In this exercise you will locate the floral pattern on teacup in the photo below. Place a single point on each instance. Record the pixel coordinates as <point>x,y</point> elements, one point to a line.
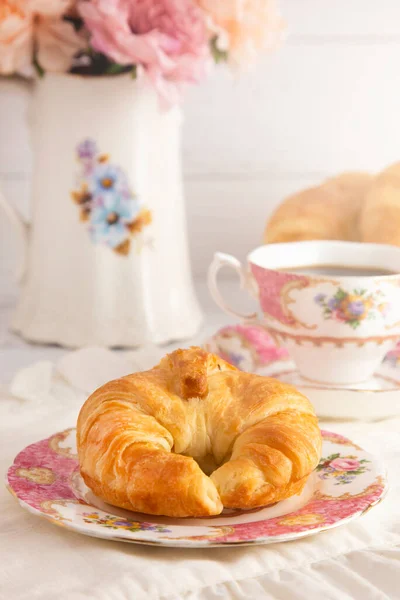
<point>112,212</point>
<point>352,308</point>
<point>344,469</point>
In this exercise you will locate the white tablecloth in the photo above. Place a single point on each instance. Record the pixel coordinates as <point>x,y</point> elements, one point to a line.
<point>41,561</point>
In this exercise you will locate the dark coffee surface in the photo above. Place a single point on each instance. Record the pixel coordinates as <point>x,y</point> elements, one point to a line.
<point>340,271</point>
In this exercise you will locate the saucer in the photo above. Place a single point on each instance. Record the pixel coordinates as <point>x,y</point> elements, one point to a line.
<point>251,348</point>
<point>348,481</point>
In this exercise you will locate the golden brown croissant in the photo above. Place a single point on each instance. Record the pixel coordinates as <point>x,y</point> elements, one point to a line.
<point>330,211</point>
<point>149,441</point>
<point>380,219</point>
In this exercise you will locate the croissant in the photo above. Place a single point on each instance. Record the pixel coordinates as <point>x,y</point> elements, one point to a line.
<point>195,434</point>
<point>380,219</point>
<point>330,211</point>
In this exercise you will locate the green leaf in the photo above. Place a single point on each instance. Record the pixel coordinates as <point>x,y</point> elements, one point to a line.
<point>39,69</point>
<point>218,54</point>
<point>360,292</point>
<point>341,294</point>
<point>114,69</point>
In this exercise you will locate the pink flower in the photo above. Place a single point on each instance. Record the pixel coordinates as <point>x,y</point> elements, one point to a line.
<point>39,24</point>
<point>244,27</point>
<point>167,38</point>
<point>339,315</point>
<point>344,464</point>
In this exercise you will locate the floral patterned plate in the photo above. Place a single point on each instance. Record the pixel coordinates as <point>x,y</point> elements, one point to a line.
<point>348,481</point>
<point>251,348</point>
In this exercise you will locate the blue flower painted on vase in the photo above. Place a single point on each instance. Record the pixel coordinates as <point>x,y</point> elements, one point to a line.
<point>109,219</point>
<point>108,179</point>
<point>112,212</point>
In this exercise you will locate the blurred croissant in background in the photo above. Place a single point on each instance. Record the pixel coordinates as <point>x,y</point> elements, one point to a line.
<point>353,206</point>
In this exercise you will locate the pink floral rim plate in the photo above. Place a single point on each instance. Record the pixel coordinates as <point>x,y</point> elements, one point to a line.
<point>251,348</point>
<point>45,480</point>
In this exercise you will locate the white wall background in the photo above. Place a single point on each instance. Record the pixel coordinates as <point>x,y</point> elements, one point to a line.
<point>328,100</point>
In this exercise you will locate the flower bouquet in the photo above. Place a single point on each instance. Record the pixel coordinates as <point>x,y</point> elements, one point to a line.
<point>168,43</point>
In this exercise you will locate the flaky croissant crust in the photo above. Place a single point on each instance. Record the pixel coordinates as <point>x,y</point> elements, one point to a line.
<point>195,434</point>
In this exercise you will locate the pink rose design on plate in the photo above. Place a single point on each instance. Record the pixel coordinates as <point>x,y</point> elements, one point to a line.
<point>344,464</point>
<point>343,469</point>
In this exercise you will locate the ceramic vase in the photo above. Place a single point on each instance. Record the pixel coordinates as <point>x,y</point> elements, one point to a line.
<point>106,256</point>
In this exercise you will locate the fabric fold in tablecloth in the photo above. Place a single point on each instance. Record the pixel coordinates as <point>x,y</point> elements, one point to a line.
<point>39,560</point>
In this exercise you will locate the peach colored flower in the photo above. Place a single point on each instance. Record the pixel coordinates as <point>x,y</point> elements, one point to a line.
<point>16,43</point>
<point>57,43</point>
<point>244,27</point>
<point>167,39</point>
<point>29,24</point>
<point>50,8</point>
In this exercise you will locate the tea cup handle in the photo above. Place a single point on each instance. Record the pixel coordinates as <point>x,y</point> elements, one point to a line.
<point>219,261</point>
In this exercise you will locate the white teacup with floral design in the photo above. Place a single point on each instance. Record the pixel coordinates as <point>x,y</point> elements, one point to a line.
<point>337,328</point>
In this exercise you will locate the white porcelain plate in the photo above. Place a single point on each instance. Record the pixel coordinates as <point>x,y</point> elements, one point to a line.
<point>45,480</point>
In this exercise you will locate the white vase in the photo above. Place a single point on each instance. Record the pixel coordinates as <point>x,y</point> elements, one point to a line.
<point>106,253</point>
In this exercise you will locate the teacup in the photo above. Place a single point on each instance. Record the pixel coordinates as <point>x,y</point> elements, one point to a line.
<point>334,305</point>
